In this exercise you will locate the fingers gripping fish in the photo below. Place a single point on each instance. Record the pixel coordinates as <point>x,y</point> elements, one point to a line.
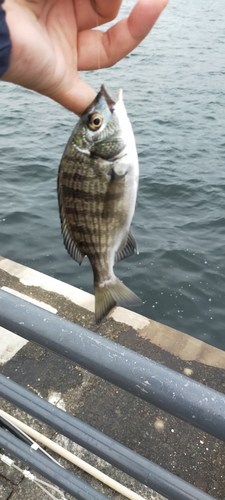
<point>97,191</point>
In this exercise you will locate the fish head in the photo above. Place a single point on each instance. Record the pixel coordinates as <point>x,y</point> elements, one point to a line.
<point>104,129</point>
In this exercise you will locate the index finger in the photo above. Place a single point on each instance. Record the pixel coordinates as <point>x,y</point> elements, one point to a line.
<point>103,49</point>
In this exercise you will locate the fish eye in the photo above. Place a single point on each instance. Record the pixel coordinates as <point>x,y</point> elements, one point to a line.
<point>95,121</point>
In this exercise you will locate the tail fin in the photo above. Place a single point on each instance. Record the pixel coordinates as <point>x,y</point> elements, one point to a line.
<point>111,295</point>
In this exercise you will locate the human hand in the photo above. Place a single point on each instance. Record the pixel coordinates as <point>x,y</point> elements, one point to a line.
<point>53,39</point>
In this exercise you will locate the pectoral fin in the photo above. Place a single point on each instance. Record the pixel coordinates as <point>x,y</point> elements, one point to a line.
<point>128,248</point>
<point>119,171</point>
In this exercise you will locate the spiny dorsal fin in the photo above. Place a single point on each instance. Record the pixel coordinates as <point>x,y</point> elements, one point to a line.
<point>127,249</point>
<point>111,295</point>
<point>70,244</point>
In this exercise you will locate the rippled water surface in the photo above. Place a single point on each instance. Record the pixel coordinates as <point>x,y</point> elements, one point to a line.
<point>174,91</point>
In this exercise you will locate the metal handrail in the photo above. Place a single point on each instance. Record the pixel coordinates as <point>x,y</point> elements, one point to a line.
<point>108,449</point>
<point>183,397</point>
<point>49,469</point>
<point>170,391</point>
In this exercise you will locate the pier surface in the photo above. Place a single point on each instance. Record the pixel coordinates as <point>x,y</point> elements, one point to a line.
<point>162,438</point>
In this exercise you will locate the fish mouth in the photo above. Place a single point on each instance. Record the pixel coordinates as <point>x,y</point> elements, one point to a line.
<point>119,95</point>
<point>109,100</point>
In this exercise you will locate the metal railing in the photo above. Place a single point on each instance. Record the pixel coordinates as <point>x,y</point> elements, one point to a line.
<point>174,393</point>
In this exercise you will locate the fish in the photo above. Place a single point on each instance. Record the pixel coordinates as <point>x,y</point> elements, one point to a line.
<point>97,191</point>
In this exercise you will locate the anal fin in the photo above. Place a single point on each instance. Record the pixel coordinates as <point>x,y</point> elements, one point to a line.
<point>126,249</point>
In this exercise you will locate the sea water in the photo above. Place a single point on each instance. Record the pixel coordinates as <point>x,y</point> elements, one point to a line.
<point>174,92</point>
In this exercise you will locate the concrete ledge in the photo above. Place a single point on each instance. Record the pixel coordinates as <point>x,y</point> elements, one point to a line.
<point>169,339</point>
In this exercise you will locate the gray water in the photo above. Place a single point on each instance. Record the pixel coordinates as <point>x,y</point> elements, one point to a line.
<point>174,91</point>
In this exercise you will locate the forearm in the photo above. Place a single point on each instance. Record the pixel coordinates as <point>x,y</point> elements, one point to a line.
<point>5,42</point>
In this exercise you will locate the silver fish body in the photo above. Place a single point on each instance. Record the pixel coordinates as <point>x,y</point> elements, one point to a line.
<point>97,191</point>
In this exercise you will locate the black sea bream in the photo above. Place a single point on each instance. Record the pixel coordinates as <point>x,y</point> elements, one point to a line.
<point>97,191</point>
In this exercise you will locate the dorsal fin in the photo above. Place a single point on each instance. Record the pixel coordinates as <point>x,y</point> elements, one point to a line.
<point>70,244</point>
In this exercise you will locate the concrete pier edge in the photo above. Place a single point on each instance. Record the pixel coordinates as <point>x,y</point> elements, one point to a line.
<point>176,342</point>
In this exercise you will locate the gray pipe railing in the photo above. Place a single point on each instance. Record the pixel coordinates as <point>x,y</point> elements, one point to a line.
<point>49,469</point>
<point>150,381</point>
<point>173,392</point>
<point>130,462</point>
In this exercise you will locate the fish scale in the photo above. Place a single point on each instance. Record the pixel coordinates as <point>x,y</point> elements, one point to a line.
<point>97,189</point>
